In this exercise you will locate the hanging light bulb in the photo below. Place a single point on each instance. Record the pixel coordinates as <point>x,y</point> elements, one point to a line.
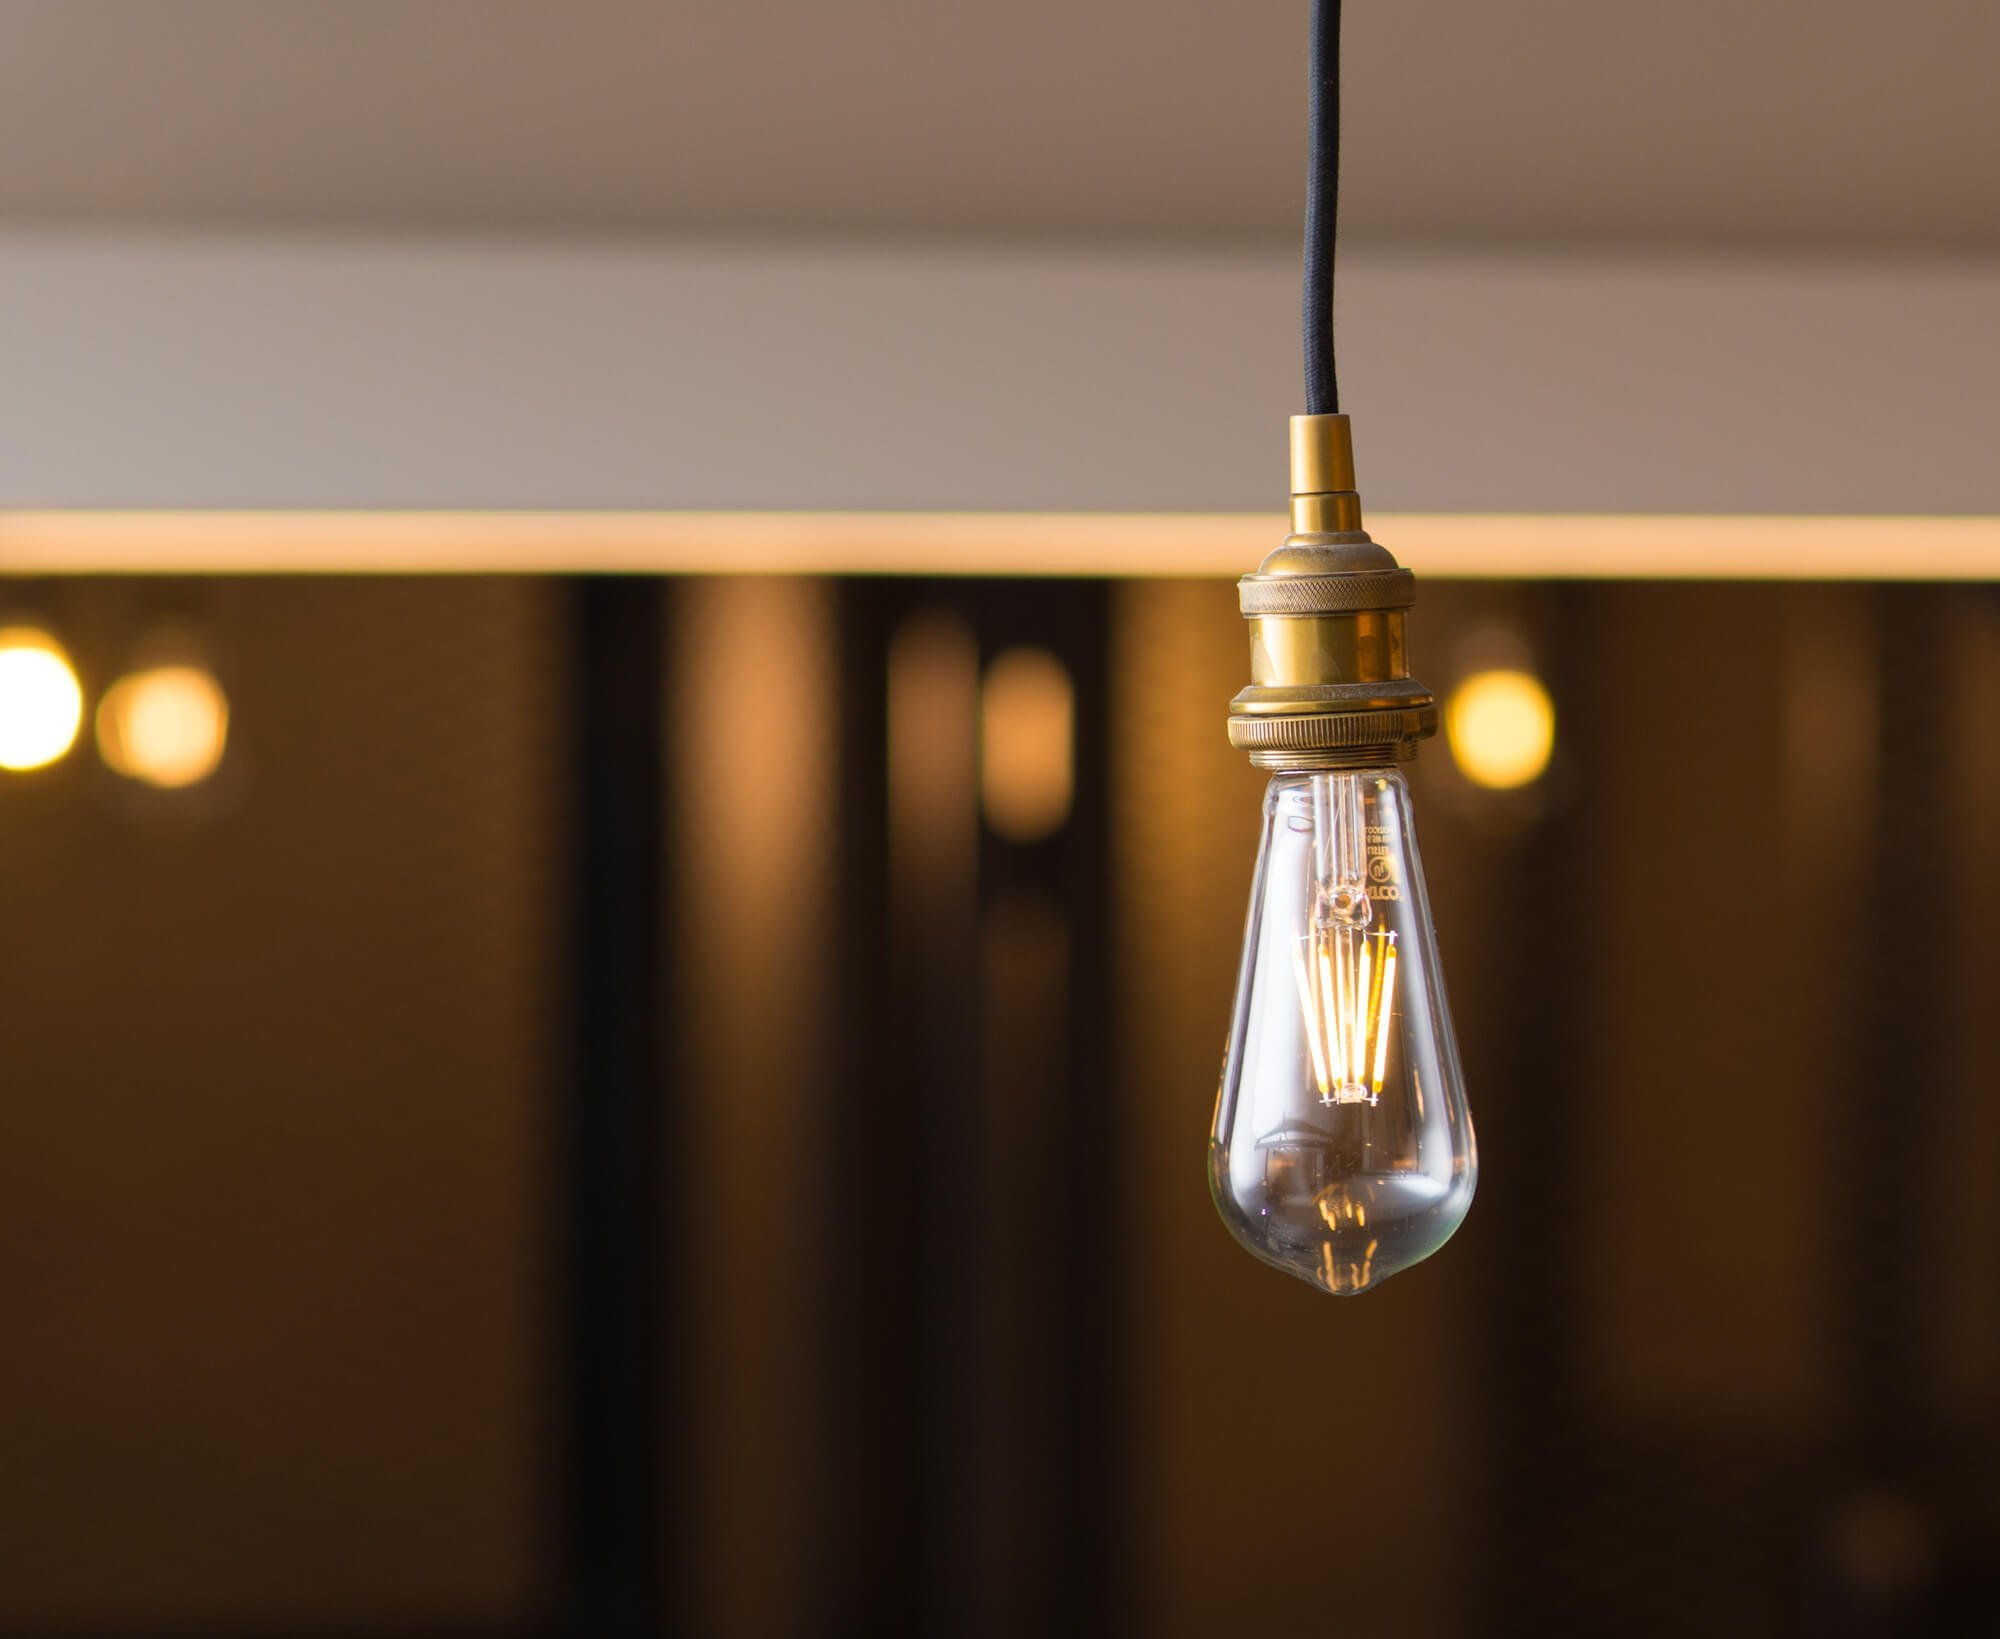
<point>1342,1150</point>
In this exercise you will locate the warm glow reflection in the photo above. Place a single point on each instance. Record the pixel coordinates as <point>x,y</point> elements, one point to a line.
<point>1027,730</point>
<point>933,704</point>
<point>166,726</point>
<point>41,702</point>
<point>1502,727</point>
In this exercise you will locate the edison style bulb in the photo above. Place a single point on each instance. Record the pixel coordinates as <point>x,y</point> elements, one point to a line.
<point>1343,1149</point>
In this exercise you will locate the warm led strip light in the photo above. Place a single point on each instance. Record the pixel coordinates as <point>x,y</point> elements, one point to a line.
<point>1462,545</point>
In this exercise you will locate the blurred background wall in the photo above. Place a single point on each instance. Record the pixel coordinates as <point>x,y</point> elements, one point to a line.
<point>675,1102</point>
<point>947,1335</point>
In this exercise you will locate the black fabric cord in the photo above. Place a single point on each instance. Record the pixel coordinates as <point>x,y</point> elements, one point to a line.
<point>1322,205</point>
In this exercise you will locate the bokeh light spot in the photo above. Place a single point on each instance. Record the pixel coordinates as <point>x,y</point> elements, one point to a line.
<point>166,727</point>
<point>1502,728</point>
<point>1027,734</point>
<point>41,702</point>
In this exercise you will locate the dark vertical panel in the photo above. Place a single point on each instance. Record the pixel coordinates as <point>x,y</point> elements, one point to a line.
<point>1896,987</point>
<point>870,1572</point>
<point>614,1155</point>
<point>1532,1155</point>
<point>1055,1230</point>
<point>1968,1336</point>
<point>935,1016</point>
<point>1878,1560</point>
<point>1099,1205</point>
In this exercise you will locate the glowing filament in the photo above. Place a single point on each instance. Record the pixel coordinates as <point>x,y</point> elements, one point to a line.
<point>1360,1042</point>
<point>1347,995</point>
<point>1315,1018</point>
<point>1385,991</point>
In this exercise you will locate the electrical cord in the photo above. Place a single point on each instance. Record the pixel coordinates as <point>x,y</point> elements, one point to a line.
<point>1322,205</point>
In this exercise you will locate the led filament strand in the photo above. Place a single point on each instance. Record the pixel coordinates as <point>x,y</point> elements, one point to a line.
<point>1347,994</point>
<point>1346,973</point>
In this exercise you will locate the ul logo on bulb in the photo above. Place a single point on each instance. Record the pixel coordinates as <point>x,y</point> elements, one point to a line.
<point>1382,877</point>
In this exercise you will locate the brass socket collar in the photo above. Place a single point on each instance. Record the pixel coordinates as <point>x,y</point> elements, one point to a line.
<point>1330,681</point>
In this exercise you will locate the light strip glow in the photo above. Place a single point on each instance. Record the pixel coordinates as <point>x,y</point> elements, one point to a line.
<point>1610,546</point>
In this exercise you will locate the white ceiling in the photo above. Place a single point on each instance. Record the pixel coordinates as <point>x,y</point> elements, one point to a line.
<point>1799,123</point>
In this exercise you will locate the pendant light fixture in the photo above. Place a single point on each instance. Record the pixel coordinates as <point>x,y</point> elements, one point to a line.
<point>1342,1150</point>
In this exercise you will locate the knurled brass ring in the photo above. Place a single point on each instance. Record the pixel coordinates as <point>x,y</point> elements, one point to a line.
<point>1332,731</point>
<point>1342,594</point>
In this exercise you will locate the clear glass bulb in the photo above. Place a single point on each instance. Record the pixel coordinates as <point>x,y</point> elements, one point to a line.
<point>1343,1149</point>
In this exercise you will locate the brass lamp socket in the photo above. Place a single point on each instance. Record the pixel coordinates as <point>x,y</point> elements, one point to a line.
<point>1330,683</point>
